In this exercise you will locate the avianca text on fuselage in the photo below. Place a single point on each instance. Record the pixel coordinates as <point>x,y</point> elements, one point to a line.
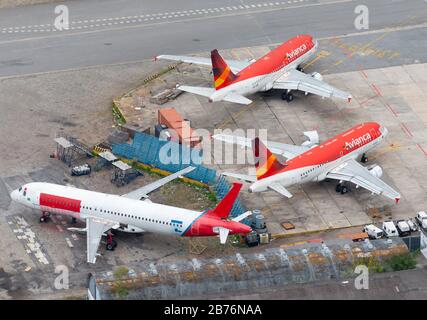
<point>313,164</point>
<point>356,142</point>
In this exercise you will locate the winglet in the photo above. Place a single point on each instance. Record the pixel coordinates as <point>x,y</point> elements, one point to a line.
<point>397,200</point>
<point>349,99</point>
<point>223,209</point>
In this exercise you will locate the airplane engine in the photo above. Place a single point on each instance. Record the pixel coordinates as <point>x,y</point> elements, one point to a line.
<point>317,76</point>
<point>376,171</point>
<point>130,229</point>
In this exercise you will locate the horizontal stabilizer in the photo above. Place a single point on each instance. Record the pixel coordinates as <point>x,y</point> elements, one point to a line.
<point>223,234</point>
<point>242,216</point>
<point>237,98</point>
<point>244,177</point>
<point>280,189</point>
<point>202,91</point>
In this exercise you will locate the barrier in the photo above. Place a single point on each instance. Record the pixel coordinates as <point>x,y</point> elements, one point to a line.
<point>146,149</point>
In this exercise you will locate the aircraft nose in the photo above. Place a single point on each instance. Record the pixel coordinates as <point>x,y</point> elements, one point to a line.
<point>14,195</point>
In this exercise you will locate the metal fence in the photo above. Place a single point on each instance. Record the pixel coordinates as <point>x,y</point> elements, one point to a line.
<point>146,149</point>
<point>412,242</point>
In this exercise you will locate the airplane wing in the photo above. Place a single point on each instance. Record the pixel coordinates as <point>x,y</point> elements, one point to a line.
<point>296,80</point>
<point>143,192</point>
<point>95,228</point>
<point>280,189</point>
<point>354,172</point>
<point>235,65</point>
<point>243,177</point>
<point>289,151</point>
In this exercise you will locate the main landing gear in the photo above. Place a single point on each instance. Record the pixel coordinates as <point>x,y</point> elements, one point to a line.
<point>111,243</point>
<point>44,217</point>
<point>288,96</point>
<point>364,158</point>
<point>340,188</point>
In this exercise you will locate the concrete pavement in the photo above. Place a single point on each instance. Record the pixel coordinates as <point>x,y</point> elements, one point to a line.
<point>130,30</point>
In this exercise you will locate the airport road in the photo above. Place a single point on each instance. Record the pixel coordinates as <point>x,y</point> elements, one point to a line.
<point>111,32</point>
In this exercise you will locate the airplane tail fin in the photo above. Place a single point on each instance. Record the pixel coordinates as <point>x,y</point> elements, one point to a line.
<point>223,209</point>
<point>266,163</point>
<point>223,75</point>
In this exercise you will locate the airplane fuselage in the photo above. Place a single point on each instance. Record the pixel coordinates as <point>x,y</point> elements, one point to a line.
<point>261,75</point>
<point>132,215</point>
<point>314,164</point>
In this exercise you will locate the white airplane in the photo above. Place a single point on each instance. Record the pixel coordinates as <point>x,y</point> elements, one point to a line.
<point>333,159</point>
<point>278,69</point>
<point>105,212</point>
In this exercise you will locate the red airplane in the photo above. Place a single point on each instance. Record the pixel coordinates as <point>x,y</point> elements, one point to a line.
<point>278,69</point>
<point>334,159</point>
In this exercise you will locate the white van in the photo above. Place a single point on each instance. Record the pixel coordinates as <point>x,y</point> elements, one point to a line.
<point>422,219</point>
<point>403,228</point>
<point>373,231</point>
<point>390,229</point>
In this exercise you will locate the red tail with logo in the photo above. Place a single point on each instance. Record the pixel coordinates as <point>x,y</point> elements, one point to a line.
<point>266,163</point>
<point>223,75</point>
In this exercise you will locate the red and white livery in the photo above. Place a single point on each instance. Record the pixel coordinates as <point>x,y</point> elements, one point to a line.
<point>333,159</point>
<point>278,69</point>
<point>105,212</point>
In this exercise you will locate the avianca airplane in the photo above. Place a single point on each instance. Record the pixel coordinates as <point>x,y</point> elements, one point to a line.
<point>278,69</point>
<point>104,212</point>
<point>334,159</point>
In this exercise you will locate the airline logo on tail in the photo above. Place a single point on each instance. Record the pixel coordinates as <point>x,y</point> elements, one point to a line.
<point>223,76</point>
<point>266,163</point>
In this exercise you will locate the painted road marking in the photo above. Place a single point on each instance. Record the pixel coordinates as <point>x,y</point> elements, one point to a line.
<point>47,27</point>
<point>31,244</point>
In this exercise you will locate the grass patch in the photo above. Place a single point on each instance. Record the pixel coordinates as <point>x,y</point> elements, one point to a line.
<point>404,261</point>
<point>117,114</point>
<point>120,273</point>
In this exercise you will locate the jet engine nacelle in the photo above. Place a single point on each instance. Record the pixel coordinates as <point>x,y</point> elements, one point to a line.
<point>130,229</point>
<point>317,76</point>
<point>376,171</point>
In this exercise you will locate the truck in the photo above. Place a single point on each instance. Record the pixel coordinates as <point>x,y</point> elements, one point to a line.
<point>412,225</point>
<point>403,228</point>
<point>390,229</point>
<point>422,219</point>
<point>81,170</point>
<point>373,231</point>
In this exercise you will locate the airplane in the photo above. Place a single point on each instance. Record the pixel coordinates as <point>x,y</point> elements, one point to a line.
<point>278,69</point>
<point>334,159</point>
<point>105,212</point>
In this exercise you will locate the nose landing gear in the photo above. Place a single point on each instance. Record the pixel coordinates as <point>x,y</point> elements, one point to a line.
<point>44,217</point>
